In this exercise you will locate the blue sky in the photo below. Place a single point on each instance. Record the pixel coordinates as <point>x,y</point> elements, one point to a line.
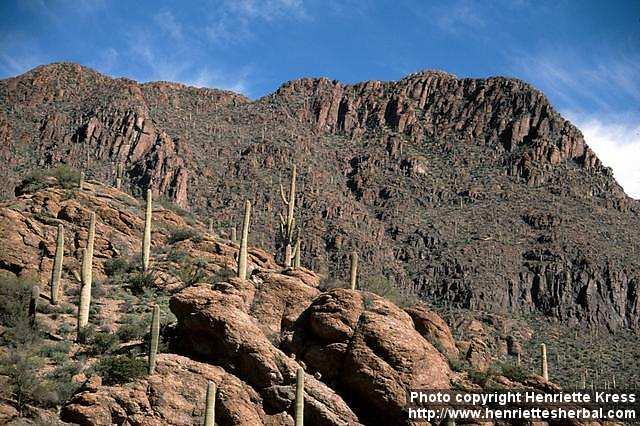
<point>585,55</point>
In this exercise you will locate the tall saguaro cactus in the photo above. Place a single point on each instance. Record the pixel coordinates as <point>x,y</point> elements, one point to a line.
<point>544,366</point>
<point>353,270</point>
<point>85,292</point>
<point>86,277</point>
<point>300,397</point>
<point>242,256</point>
<point>210,410</point>
<point>155,338</point>
<point>56,273</point>
<point>287,225</point>
<point>146,239</point>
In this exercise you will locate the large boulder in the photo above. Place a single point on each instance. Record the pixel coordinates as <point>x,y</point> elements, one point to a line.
<point>369,349</point>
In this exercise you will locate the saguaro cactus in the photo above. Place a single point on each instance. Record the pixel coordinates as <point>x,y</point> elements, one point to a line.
<point>85,291</point>
<point>300,397</point>
<point>296,261</point>
<point>56,273</point>
<point>33,304</point>
<point>146,239</point>
<point>353,270</point>
<point>287,225</point>
<point>242,256</point>
<point>118,176</point>
<point>210,410</point>
<point>234,235</point>
<point>81,183</point>
<point>543,366</point>
<point>155,338</point>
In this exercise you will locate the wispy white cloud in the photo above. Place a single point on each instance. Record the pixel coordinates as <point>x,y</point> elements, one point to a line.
<point>168,23</point>
<point>236,18</point>
<point>458,16</point>
<point>604,80</point>
<point>616,141</point>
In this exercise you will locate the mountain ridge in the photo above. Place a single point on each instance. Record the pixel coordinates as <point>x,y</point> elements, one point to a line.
<point>469,192</point>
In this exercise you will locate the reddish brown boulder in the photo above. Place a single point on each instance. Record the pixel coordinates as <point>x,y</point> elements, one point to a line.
<point>433,328</point>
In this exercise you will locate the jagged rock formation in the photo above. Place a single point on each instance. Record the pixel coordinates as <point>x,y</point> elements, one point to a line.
<point>474,193</point>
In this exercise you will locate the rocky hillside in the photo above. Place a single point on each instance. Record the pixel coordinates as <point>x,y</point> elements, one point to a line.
<point>360,352</point>
<point>471,193</point>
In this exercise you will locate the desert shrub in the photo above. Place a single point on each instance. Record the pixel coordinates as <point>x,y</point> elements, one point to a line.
<point>177,256</point>
<point>116,266</point>
<point>191,271</point>
<point>62,380</point>
<point>103,343</point>
<point>139,281</point>
<point>57,352</point>
<point>14,311</point>
<point>385,287</point>
<point>67,178</point>
<point>21,369</point>
<point>512,371</point>
<point>135,327</point>
<point>181,234</point>
<point>170,205</point>
<point>86,334</point>
<point>224,274</point>
<point>120,369</point>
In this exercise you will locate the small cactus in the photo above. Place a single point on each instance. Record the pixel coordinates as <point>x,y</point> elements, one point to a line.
<point>56,273</point>
<point>300,397</point>
<point>353,270</point>
<point>543,364</point>
<point>33,304</point>
<point>242,256</point>
<point>81,183</point>
<point>234,235</point>
<point>146,239</point>
<point>155,338</point>
<point>287,225</point>
<point>210,226</point>
<point>210,410</point>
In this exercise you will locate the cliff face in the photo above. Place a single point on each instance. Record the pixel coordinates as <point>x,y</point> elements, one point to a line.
<point>473,193</point>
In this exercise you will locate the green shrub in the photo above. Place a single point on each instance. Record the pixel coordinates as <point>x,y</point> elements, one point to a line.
<point>181,234</point>
<point>140,281</point>
<point>67,178</point>
<point>384,287</point>
<point>15,294</point>
<point>21,369</point>
<point>512,371</point>
<point>120,369</point>
<point>116,266</point>
<point>191,271</point>
<point>224,275</point>
<point>103,343</point>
